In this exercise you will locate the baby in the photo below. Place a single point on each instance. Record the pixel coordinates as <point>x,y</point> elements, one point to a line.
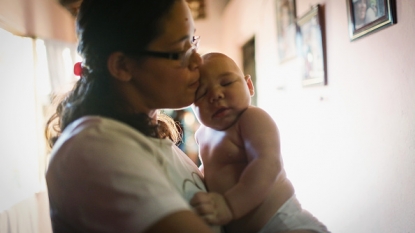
<point>239,148</point>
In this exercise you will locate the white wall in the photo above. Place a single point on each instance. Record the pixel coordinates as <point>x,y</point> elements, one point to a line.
<point>211,26</point>
<point>45,19</point>
<point>349,147</point>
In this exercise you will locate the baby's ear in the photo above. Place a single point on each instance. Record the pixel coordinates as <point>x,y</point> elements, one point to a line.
<point>250,84</point>
<point>118,67</point>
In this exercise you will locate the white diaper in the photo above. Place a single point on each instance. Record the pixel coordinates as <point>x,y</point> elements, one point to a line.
<point>292,217</point>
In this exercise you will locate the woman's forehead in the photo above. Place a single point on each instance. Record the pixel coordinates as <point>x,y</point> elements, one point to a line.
<point>178,25</point>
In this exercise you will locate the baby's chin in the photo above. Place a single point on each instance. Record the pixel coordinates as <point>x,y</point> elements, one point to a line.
<point>222,126</point>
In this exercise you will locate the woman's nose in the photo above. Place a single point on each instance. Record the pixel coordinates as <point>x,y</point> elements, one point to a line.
<point>195,61</point>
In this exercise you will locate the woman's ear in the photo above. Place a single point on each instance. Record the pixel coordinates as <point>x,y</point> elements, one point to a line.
<point>118,67</point>
<point>250,84</point>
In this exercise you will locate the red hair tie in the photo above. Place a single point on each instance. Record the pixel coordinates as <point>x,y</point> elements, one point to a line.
<point>77,69</point>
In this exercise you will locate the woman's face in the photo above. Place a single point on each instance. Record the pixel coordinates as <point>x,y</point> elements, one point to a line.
<point>360,10</point>
<point>163,83</point>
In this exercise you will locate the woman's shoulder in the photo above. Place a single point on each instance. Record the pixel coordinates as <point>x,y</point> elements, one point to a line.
<point>101,128</point>
<point>95,137</point>
<point>90,123</point>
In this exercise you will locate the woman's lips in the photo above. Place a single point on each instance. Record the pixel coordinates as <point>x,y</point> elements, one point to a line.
<point>194,85</point>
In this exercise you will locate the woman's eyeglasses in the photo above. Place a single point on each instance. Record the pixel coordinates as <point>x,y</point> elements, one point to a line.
<point>184,56</point>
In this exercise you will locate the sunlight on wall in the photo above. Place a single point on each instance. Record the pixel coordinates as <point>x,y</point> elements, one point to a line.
<point>309,164</point>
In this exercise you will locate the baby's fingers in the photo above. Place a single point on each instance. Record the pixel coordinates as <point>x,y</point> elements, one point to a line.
<point>210,219</point>
<point>204,206</point>
<point>208,213</point>
<point>200,198</point>
<point>205,209</point>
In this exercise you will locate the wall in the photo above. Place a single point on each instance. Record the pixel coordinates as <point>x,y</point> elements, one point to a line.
<point>209,28</point>
<point>45,19</point>
<point>349,147</point>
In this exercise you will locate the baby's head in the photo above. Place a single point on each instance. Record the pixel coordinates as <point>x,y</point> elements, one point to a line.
<point>224,92</point>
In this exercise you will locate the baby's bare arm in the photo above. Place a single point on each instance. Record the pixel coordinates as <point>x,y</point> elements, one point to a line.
<point>262,144</point>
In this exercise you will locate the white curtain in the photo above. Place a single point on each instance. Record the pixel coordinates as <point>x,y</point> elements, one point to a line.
<point>20,135</point>
<point>61,57</point>
<point>31,70</point>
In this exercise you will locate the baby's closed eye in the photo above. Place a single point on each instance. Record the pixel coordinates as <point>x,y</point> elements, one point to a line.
<point>227,82</point>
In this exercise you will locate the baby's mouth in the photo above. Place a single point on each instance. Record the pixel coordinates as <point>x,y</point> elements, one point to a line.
<point>220,113</point>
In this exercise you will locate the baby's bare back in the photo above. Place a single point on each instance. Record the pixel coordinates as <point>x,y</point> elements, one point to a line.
<point>224,159</point>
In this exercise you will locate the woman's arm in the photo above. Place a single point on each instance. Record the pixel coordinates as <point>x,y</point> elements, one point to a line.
<point>180,222</point>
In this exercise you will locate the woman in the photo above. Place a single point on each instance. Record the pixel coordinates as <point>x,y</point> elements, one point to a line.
<point>114,166</point>
<point>360,8</point>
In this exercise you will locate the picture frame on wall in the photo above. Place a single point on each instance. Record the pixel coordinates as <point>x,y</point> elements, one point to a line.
<point>286,29</point>
<point>368,16</point>
<point>313,54</point>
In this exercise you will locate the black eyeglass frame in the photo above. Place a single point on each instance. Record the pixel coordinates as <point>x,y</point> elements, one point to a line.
<point>171,56</point>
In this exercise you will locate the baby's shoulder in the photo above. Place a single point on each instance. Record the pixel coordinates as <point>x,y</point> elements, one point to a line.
<point>256,119</point>
<point>254,113</point>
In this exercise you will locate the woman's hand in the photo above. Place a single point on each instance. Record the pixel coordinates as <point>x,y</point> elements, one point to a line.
<point>212,207</point>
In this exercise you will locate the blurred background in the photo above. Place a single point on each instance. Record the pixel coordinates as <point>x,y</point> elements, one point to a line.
<point>348,144</point>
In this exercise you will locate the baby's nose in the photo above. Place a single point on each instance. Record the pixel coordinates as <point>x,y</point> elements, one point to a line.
<point>216,95</point>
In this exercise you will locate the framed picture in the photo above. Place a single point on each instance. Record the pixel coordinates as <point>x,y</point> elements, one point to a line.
<point>311,34</point>
<point>286,29</point>
<point>367,16</point>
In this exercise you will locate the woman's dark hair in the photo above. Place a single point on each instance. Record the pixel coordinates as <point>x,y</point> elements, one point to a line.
<point>104,27</point>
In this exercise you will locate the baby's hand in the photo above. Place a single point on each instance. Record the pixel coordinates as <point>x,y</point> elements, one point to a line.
<point>212,207</point>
